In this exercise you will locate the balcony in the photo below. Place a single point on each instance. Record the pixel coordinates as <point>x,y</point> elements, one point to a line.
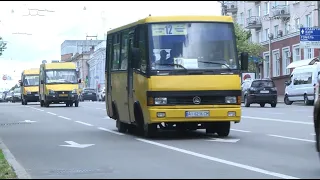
<point>254,22</point>
<point>232,7</point>
<point>281,11</point>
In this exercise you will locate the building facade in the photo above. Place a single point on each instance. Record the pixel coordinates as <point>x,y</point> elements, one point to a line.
<point>276,25</point>
<point>78,46</point>
<point>97,66</point>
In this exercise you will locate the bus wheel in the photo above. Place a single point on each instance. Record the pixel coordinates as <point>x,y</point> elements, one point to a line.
<point>122,127</point>
<point>150,130</point>
<point>223,129</point>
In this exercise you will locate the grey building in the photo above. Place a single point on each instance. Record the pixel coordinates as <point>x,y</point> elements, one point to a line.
<point>97,66</point>
<point>78,46</point>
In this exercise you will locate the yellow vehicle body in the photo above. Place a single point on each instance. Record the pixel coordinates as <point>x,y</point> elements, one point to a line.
<point>29,86</point>
<point>133,94</point>
<point>59,84</point>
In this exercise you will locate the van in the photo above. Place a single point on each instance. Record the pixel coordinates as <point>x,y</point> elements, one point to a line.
<point>59,84</point>
<point>29,86</point>
<point>302,84</point>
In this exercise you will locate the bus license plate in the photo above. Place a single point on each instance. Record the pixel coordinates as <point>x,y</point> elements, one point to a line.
<point>197,113</point>
<point>63,95</point>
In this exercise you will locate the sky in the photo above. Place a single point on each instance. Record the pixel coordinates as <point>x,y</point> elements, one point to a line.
<point>67,20</point>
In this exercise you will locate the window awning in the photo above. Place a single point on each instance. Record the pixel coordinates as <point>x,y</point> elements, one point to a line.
<point>302,63</point>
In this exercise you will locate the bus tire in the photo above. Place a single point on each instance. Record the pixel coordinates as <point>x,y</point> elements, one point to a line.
<point>150,130</point>
<point>223,129</point>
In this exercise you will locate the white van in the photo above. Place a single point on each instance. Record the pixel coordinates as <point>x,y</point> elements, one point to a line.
<point>303,82</point>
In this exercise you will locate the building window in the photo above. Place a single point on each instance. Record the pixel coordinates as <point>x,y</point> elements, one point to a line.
<point>286,28</point>
<point>258,37</point>
<point>308,53</point>
<point>266,34</point>
<point>249,13</point>
<point>297,24</point>
<point>276,30</point>
<point>266,66</point>
<point>285,61</point>
<point>259,10</point>
<point>241,20</point>
<point>266,8</point>
<point>296,53</point>
<point>308,20</point>
<point>276,64</point>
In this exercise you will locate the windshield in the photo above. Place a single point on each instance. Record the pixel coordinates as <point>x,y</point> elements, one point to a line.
<point>16,90</point>
<point>61,77</point>
<point>192,45</point>
<point>31,80</point>
<point>262,84</point>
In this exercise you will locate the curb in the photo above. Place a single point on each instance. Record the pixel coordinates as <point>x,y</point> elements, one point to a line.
<point>18,169</point>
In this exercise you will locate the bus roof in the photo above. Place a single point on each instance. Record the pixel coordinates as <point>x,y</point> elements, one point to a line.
<point>31,71</point>
<point>60,65</point>
<point>159,19</point>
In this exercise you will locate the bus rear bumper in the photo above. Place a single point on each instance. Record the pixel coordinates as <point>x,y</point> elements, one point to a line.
<point>159,115</point>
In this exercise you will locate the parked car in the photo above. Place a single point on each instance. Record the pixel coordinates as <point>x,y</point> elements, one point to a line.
<point>259,91</point>
<point>102,95</point>
<point>9,96</point>
<point>88,94</point>
<point>16,97</point>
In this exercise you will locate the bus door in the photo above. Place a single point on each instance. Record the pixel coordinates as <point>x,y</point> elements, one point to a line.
<point>130,79</point>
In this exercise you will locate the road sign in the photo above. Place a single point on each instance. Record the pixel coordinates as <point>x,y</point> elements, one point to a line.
<point>310,37</point>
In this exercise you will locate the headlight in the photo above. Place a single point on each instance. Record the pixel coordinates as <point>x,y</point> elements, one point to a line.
<point>252,89</point>
<point>160,100</point>
<point>231,99</point>
<point>28,92</point>
<point>74,91</point>
<point>51,91</point>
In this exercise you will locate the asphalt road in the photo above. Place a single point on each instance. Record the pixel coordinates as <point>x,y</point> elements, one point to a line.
<point>268,143</point>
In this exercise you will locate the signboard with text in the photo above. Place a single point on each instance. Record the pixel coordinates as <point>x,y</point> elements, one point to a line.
<point>310,37</point>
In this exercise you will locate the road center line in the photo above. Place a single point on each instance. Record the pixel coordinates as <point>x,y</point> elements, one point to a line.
<point>284,137</point>
<point>238,130</point>
<point>84,123</point>
<point>110,131</point>
<point>250,168</point>
<point>52,113</point>
<point>277,120</point>
<point>37,109</point>
<point>64,117</point>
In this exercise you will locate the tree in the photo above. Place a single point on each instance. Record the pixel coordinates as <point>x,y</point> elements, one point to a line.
<point>3,46</point>
<point>244,45</point>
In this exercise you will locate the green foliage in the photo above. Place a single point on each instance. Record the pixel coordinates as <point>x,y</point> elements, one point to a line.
<point>244,45</point>
<point>3,46</point>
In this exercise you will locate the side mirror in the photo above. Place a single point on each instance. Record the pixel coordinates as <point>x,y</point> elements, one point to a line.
<point>244,58</point>
<point>136,56</point>
<point>41,82</point>
<point>286,83</point>
<point>79,81</point>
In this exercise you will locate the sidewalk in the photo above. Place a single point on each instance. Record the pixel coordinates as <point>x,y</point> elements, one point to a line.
<point>280,98</point>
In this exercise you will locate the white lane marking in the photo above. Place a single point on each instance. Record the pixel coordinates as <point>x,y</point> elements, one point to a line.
<point>110,131</point>
<point>250,168</point>
<point>83,123</point>
<point>284,137</point>
<point>277,120</point>
<point>312,134</point>
<point>36,109</point>
<point>52,113</point>
<point>64,117</point>
<point>310,116</point>
<point>238,130</point>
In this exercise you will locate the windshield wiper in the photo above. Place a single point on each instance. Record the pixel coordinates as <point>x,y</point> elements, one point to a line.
<point>179,65</point>
<point>210,62</point>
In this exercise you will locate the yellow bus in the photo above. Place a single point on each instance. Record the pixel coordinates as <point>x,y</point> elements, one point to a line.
<point>59,84</point>
<point>178,72</point>
<point>29,86</point>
